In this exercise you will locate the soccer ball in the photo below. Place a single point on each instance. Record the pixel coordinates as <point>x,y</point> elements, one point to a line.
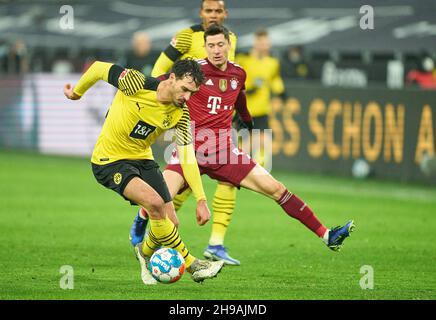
<point>167,265</point>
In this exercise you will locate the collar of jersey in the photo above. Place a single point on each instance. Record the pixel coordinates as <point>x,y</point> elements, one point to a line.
<point>217,69</point>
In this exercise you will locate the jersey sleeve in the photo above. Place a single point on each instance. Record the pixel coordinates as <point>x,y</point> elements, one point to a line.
<point>187,157</point>
<point>179,45</point>
<point>183,129</point>
<point>241,107</point>
<point>128,81</point>
<point>162,65</point>
<point>97,71</point>
<point>183,41</point>
<point>241,101</point>
<point>190,169</point>
<point>233,43</point>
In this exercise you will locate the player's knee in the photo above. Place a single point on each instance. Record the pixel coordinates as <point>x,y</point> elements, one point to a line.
<point>271,188</point>
<point>277,190</point>
<point>156,207</point>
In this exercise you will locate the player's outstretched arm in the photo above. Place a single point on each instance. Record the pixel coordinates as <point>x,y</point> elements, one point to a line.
<point>189,164</point>
<point>128,81</point>
<point>192,176</point>
<point>97,71</point>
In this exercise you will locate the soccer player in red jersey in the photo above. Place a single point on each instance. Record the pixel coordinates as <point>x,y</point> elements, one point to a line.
<point>211,111</point>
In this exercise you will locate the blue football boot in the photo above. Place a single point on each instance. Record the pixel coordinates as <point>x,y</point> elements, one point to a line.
<point>219,252</point>
<point>137,231</point>
<point>338,234</point>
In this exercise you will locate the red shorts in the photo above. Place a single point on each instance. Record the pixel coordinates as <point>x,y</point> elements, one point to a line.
<point>234,166</point>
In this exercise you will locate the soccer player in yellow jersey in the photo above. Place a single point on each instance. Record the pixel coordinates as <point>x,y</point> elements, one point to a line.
<point>263,78</point>
<point>122,160</point>
<point>189,43</point>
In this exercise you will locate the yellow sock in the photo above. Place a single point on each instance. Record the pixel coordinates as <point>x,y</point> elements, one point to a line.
<point>149,245</point>
<point>165,233</point>
<point>179,199</point>
<point>223,206</point>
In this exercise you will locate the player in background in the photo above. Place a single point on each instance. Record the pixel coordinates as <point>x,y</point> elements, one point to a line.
<point>211,111</point>
<point>122,160</point>
<point>263,78</point>
<point>189,42</point>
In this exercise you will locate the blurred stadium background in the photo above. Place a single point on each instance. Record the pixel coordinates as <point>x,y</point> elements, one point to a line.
<point>368,89</point>
<point>360,103</point>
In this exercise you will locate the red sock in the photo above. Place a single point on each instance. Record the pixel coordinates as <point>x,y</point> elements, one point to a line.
<point>143,213</point>
<point>297,209</point>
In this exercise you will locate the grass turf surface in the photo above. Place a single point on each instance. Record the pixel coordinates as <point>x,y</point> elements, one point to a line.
<point>53,213</point>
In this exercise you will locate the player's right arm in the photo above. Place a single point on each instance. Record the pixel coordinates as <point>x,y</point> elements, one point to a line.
<point>129,81</point>
<point>180,44</point>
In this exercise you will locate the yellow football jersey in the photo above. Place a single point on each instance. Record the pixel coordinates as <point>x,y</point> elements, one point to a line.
<point>263,77</point>
<point>132,125</point>
<point>135,119</point>
<point>188,43</point>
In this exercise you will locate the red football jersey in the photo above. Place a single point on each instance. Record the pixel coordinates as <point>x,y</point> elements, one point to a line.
<point>211,108</point>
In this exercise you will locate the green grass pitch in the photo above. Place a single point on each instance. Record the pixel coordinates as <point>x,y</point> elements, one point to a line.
<point>53,213</point>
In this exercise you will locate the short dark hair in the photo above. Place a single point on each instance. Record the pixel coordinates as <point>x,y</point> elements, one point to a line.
<point>188,68</point>
<point>215,29</point>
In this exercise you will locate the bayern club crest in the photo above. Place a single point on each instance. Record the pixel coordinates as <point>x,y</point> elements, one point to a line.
<point>234,83</point>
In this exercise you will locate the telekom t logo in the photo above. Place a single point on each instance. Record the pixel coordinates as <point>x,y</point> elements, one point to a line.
<point>213,103</point>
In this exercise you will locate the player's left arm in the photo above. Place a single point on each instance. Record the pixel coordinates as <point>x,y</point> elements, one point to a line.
<point>245,120</point>
<point>180,44</point>
<point>188,161</point>
<point>129,81</point>
<point>243,112</point>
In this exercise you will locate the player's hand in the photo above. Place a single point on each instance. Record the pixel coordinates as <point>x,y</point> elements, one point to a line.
<point>249,124</point>
<point>203,213</point>
<point>69,92</point>
<point>239,124</point>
